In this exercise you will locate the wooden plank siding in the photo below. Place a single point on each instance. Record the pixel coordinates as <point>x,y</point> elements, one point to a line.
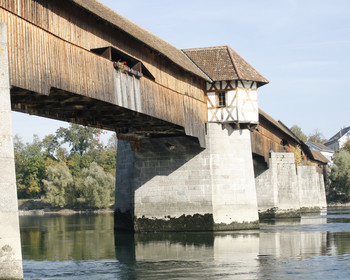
<point>264,140</point>
<point>272,135</point>
<point>49,48</point>
<point>40,61</point>
<point>79,27</point>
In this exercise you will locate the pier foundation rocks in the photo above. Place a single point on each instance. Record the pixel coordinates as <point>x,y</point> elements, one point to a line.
<point>171,184</point>
<point>10,243</point>
<point>284,190</point>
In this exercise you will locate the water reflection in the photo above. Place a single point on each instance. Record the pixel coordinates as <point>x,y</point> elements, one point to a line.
<point>85,247</point>
<point>293,238</point>
<point>188,255</point>
<point>60,238</point>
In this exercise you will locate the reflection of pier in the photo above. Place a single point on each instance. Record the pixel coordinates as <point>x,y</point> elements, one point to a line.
<point>293,238</point>
<point>247,252</point>
<point>184,252</point>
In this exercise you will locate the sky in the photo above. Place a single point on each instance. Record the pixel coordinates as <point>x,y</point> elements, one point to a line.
<point>301,46</point>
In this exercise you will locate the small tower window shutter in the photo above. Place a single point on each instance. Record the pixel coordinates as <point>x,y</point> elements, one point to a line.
<point>221,99</point>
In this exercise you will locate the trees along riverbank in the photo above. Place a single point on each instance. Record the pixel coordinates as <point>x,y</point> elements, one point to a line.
<point>339,177</point>
<point>74,169</point>
<point>69,169</point>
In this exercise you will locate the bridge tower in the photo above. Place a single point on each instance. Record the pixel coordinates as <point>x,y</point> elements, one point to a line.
<point>172,184</point>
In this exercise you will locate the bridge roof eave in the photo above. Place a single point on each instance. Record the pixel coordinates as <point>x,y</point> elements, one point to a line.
<point>140,34</point>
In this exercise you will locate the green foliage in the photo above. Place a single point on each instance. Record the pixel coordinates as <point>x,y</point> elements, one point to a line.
<point>316,137</point>
<point>97,186</point>
<point>30,168</point>
<point>298,156</point>
<point>44,240</point>
<point>59,185</point>
<point>81,139</point>
<point>47,168</point>
<point>298,132</point>
<point>50,145</point>
<point>340,173</point>
<point>346,146</point>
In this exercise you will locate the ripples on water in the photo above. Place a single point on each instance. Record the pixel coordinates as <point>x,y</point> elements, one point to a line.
<point>85,247</point>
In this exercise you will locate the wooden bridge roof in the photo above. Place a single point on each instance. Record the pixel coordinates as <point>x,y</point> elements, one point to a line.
<point>280,129</point>
<point>140,34</point>
<point>223,64</point>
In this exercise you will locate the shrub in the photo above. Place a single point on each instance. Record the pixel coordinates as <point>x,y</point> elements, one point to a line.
<point>340,173</point>
<point>96,186</point>
<point>59,185</point>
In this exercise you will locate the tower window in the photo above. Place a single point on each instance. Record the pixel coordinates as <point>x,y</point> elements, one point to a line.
<point>221,99</point>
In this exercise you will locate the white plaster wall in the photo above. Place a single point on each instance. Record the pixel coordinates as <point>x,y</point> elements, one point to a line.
<point>345,138</point>
<point>212,98</point>
<point>247,105</point>
<point>247,84</point>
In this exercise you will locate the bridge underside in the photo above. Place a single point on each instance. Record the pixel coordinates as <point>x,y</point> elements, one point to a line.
<point>70,107</point>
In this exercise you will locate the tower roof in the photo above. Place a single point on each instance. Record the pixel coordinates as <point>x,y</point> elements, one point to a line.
<point>223,63</point>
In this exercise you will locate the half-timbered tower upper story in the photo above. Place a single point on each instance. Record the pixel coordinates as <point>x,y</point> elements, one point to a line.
<point>232,92</point>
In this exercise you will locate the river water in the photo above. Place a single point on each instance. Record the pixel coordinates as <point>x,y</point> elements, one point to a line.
<point>85,247</point>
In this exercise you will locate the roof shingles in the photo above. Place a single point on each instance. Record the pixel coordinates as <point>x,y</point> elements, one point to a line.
<point>223,63</point>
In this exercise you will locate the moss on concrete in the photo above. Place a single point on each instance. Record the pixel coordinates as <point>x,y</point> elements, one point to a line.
<point>196,222</point>
<point>236,226</point>
<point>276,213</point>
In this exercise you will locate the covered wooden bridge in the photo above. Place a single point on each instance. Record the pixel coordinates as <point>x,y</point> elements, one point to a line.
<point>81,62</point>
<point>188,120</point>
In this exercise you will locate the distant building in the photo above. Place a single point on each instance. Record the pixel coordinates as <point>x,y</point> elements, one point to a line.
<point>338,141</point>
<point>324,150</point>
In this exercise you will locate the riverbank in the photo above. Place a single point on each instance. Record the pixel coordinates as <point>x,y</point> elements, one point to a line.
<point>36,207</point>
<point>338,204</point>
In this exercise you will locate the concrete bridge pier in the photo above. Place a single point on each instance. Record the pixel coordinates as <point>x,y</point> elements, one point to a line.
<point>284,190</point>
<point>10,242</point>
<point>172,184</point>
<point>277,188</point>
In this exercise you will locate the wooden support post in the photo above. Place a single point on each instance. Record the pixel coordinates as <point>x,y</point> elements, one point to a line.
<point>10,242</point>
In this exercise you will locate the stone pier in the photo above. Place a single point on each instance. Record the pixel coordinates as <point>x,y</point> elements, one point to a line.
<point>311,189</point>
<point>171,184</point>
<point>10,242</point>
<point>284,190</point>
